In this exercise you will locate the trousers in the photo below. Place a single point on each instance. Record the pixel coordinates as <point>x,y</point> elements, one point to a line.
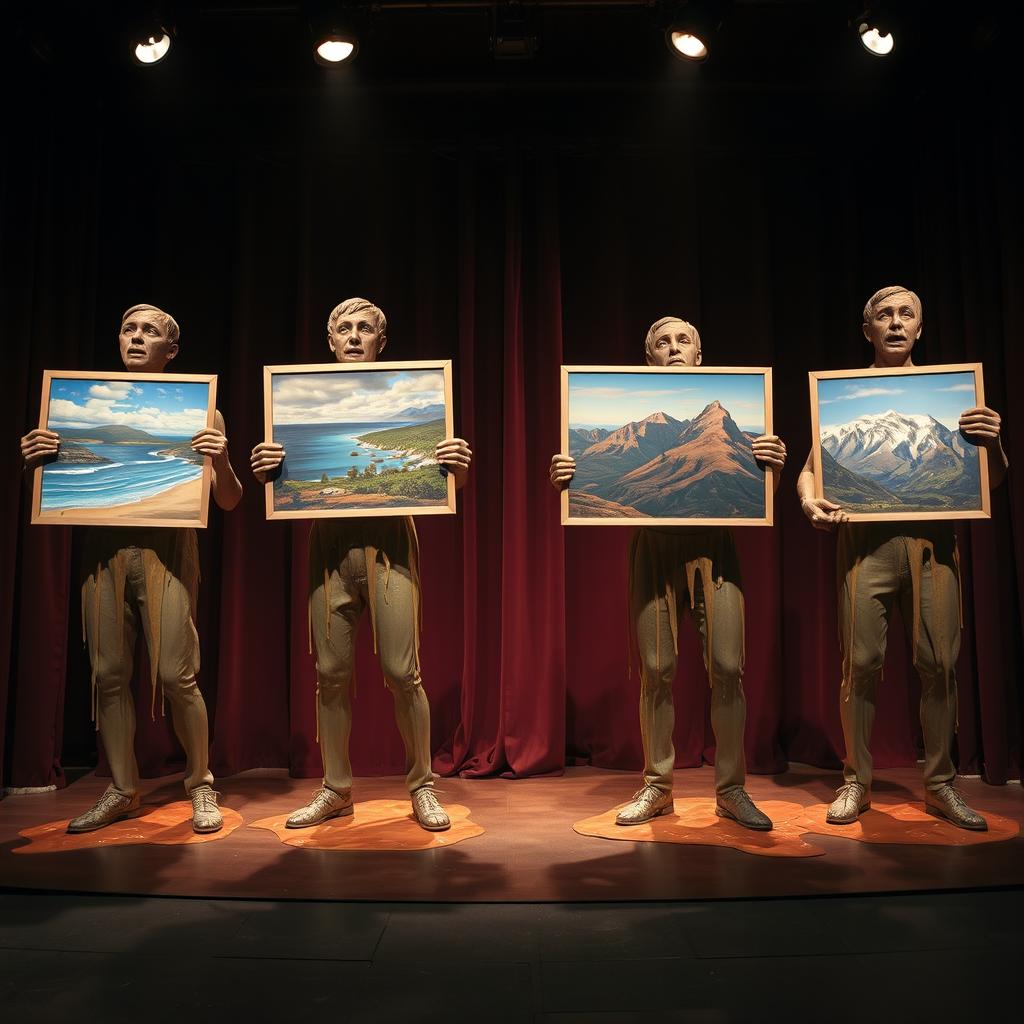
<point>357,565</point>
<point>880,565</point>
<point>148,577</point>
<point>666,567</point>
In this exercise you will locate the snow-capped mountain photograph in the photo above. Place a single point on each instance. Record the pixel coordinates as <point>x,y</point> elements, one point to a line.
<point>666,444</point>
<point>891,443</point>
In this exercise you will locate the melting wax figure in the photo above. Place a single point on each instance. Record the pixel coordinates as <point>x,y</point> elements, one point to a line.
<point>696,567</point>
<point>360,563</point>
<point>146,576</point>
<point>915,564</point>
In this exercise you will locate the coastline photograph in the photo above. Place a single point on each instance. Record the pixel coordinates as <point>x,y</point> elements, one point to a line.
<point>665,445</point>
<point>892,445</point>
<point>125,450</point>
<point>359,440</point>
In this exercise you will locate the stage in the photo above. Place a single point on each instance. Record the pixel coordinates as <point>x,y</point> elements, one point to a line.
<point>528,850</point>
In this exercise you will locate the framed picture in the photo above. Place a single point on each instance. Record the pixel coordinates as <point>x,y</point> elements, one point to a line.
<point>886,443</point>
<point>659,445</point>
<point>359,439</point>
<point>125,457</point>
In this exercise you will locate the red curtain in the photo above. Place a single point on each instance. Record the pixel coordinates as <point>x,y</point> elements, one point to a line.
<point>510,237</point>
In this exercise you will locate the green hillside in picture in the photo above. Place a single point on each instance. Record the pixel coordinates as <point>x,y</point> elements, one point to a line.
<point>421,438</point>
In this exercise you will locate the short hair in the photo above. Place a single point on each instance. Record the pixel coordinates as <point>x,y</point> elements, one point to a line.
<point>657,326</point>
<point>357,305</point>
<point>169,324</point>
<point>884,293</point>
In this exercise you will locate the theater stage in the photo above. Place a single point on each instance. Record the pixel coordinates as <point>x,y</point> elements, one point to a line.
<point>528,850</point>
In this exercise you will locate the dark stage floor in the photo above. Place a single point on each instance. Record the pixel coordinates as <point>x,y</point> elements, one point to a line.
<point>901,957</point>
<point>528,852</point>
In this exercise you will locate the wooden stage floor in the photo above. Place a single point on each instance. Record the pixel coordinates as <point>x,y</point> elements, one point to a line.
<point>528,852</point>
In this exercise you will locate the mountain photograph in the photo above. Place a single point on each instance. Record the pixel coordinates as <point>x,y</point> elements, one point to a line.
<point>899,461</point>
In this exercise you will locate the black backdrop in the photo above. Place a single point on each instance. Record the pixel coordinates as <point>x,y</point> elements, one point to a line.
<point>511,217</point>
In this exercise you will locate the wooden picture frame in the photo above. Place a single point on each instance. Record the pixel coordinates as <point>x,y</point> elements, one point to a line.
<point>307,487</point>
<point>895,456</point>
<point>725,490</point>
<point>101,444</point>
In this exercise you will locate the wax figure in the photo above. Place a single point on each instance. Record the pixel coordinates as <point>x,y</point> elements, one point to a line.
<point>668,566</point>
<point>355,564</point>
<point>916,565</point>
<point>147,576</point>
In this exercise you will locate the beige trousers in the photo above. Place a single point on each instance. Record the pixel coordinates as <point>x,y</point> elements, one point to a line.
<point>666,566</point>
<point>147,576</point>
<point>916,566</point>
<point>356,565</point>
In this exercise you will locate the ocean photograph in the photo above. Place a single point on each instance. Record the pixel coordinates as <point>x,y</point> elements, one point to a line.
<point>891,444</point>
<point>124,449</point>
<point>359,439</point>
<point>665,446</point>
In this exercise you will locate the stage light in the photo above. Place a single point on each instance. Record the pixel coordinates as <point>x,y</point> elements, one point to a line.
<point>336,49</point>
<point>875,40</point>
<point>691,26</point>
<point>151,48</point>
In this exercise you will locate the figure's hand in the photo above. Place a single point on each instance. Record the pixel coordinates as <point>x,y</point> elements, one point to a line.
<point>213,442</point>
<point>981,426</point>
<point>453,453</point>
<point>266,458</point>
<point>770,452</point>
<point>563,469</point>
<point>823,514</point>
<point>39,445</point>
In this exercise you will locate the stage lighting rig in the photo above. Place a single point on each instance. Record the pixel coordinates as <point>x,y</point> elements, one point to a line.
<point>151,40</point>
<point>691,26</point>
<point>513,32</point>
<point>874,26</point>
<point>336,29</point>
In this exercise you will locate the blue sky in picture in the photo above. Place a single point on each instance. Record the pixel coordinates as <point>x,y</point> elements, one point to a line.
<point>611,400</point>
<point>162,408</point>
<point>942,395</point>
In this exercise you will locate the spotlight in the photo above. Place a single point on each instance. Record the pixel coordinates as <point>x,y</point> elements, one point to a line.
<point>691,26</point>
<point>874,27</point>
<point>151,46</point>
<point>335,31</point>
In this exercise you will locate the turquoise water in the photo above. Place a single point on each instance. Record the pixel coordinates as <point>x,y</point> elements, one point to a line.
<point>314,449</point>
<point>135,471</point>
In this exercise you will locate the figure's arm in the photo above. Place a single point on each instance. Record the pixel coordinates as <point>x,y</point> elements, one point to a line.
<point>823,514</point>
<point>453,453</point>
<point>770,453</point>
<point>37,446</point>
<point>983,427</point>
<point>563,469</point>
<point>212,441</point>
<point>266,459</point>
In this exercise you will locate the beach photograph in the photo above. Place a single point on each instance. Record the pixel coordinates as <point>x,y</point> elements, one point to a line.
<point>359,440</point>
<point>125,455</point>
<point>665,445</point>
<point>890,445</point>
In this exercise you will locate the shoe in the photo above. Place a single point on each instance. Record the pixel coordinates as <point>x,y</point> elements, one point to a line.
<point>326,804</point>
<point>647,803</point>
<point>947,803</point>
<point>206,816</point>
<point>428,810</point>
<point>110,807</point>
<point>735,804</point>
<point>850,800</point>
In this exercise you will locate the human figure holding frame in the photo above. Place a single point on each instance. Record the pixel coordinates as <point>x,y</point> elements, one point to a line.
<point>914,564</point>
<point>147,575</point>
<point>357,563</point>
<point>667,565</point>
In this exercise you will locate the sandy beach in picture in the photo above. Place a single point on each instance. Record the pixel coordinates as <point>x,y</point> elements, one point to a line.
<point>182,501</point>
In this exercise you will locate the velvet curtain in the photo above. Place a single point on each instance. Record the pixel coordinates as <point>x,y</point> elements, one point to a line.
<point>511,234</point>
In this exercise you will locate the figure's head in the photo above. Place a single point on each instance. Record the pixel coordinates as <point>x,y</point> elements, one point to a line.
<point>672,342</point>
<point>892,323</point>
<point>148,338</point>
<point>357,331</point>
